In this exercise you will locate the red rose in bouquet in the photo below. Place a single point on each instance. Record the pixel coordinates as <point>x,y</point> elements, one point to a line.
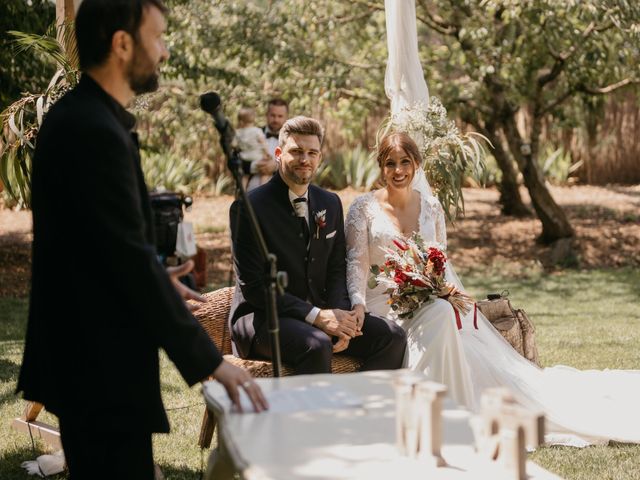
<point>437,258</point>
<point>415,275</point>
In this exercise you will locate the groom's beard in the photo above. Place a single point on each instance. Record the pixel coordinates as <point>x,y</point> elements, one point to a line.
<point>297,175</point>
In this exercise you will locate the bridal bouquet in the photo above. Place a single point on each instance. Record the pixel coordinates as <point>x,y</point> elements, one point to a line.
<point>414,274</point>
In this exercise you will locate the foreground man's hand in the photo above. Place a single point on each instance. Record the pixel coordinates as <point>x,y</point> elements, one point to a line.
<point>185,292</point>
<point>232,378</point>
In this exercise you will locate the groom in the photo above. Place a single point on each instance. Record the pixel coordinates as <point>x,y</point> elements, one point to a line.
<point>303,226</point>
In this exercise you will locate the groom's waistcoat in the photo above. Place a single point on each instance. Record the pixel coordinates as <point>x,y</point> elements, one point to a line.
<point>317,274</point>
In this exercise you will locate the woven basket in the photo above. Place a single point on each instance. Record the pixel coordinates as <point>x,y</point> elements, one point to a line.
<point>513,325</point>
<point>213,317</point>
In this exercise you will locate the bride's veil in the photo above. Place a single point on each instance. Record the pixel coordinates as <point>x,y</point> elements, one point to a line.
<point>404,81</point>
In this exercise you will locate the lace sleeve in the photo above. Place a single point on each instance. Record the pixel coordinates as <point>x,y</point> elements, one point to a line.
<point>356,231</point>
<point>441,225</point>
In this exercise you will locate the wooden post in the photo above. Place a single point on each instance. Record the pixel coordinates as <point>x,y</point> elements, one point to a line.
<point>28,424</point>
<point>508,428</point>
<point>429,397</point>
<point>65,14</point>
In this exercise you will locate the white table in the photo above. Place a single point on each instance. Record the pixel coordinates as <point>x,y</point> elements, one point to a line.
<point>348,443</point>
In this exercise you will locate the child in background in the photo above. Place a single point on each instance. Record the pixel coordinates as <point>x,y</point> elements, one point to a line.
<point>253,147</point>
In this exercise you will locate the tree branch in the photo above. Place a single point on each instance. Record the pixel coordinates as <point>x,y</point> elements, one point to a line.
<point>546,109</point>
<point>370,5</point>
<point>365,66</point>
<point>436,22</point>
<point>360,96</point>
<point>561,58</point>
<point>354,18</point>
<point>609,88</point>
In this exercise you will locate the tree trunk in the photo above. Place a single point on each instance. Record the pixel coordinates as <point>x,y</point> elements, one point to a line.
<point>65,14</point>
<point>555,224</point>
<point>510,198</point>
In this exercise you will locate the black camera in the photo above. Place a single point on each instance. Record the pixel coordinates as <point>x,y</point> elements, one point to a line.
<point>167,208</point>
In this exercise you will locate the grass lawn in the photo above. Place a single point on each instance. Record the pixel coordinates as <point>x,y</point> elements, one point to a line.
<point>583,319</point>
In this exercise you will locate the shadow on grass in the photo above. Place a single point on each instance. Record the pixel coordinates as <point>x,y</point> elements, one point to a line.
<point>11,460</point>
<point>8,370</point>
<point>10,466</point>
<point>171,472</point>
<point>13,318</point>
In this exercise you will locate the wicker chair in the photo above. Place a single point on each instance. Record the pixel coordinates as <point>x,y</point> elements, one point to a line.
<point>213,317</point>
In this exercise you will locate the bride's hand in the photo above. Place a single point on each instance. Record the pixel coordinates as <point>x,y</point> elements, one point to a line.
<point>341,344</point>
<point>358,311</point>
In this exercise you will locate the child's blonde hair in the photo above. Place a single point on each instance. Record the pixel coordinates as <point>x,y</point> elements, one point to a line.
<point>246,117</point>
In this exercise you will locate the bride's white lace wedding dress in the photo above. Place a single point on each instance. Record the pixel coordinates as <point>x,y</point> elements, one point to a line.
<point>595,405</point>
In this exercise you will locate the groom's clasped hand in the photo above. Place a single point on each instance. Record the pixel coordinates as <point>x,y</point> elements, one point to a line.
<point>342,324</point>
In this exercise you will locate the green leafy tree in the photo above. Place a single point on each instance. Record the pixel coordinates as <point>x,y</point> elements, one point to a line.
<point>22,119</point>
<point>509,66</point>
<point>22,73</point>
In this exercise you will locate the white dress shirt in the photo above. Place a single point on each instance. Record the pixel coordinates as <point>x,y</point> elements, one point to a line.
<point>302,210</point>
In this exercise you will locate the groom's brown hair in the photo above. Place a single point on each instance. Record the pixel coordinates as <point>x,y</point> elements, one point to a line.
<point>300,125</point>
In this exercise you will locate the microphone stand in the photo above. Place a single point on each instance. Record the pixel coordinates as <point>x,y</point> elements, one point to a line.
<point>275,281</point>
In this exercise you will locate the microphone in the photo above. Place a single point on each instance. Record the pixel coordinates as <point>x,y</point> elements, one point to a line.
<point>211,103</point>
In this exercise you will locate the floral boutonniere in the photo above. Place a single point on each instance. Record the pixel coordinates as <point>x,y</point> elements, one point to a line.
<point>321,221</point>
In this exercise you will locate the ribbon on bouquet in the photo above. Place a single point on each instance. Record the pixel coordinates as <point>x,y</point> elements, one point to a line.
<point>475,316</point>
<point>459,320</point>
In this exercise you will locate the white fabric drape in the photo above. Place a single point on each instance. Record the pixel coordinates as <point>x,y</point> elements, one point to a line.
<point>404,79</point>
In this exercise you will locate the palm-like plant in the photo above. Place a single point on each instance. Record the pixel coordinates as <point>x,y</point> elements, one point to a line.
<point>22,119</point>
<point>169,171</point>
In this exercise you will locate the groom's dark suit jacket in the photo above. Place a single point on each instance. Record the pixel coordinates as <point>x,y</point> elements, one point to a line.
<point>101,304</point>
<point>317,277</point>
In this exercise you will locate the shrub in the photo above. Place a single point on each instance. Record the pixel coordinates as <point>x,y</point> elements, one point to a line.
<point>354,168</point>
<point>168,171</point>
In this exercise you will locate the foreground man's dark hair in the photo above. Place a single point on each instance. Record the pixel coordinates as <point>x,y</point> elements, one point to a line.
<point>98,20</point>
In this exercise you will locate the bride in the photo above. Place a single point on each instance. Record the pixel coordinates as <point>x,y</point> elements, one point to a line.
<point>595,405</point>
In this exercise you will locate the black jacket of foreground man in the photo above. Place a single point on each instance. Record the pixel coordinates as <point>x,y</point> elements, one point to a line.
<point>101,304</point>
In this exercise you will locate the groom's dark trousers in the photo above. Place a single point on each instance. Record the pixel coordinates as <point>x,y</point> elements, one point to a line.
<point>317,277</point>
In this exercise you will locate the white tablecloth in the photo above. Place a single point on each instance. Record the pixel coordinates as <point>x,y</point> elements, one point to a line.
<point>346,443</point>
